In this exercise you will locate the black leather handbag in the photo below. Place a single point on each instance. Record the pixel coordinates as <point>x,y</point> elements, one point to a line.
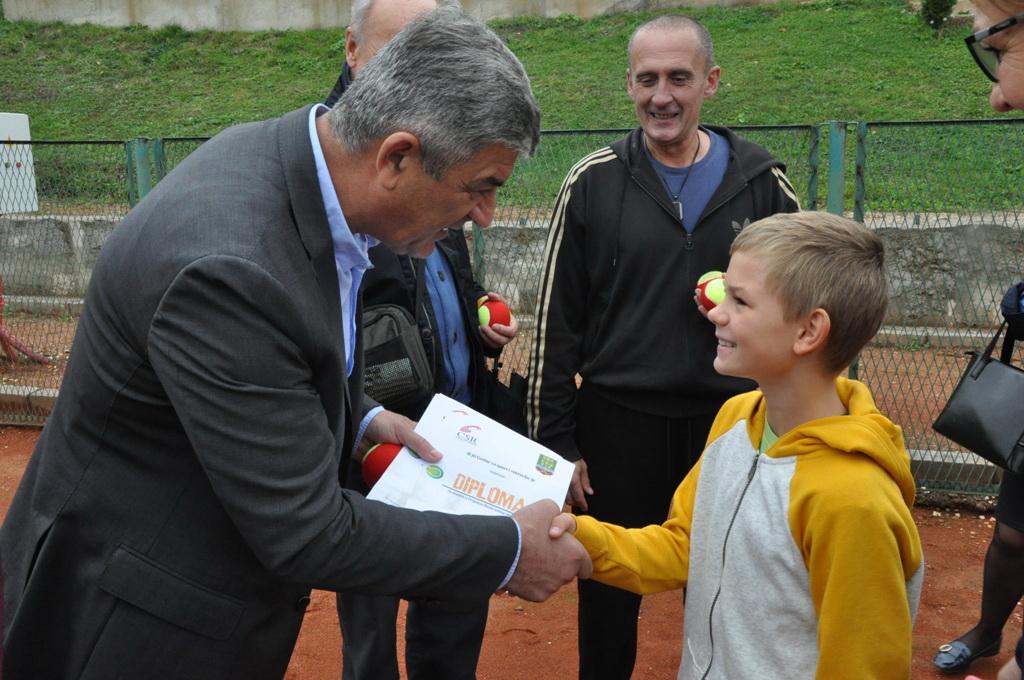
<point>985,413</point>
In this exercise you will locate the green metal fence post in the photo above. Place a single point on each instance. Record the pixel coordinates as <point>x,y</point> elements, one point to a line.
<point>859,180</point>
<point>836,169</point>
<point>814,161</point>
<point>143,178</point>
<point>129,171</point>
<point>159,159</point>
<point>479,260</point>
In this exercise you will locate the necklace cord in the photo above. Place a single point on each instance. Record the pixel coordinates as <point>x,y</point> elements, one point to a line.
<point>676,203</point>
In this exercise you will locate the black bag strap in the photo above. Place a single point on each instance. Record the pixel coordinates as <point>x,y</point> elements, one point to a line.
<point>423,316</point>
<point>982,358</point>
<point>1006,355</point>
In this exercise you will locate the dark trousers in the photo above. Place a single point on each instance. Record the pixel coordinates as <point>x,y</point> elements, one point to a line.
<point>441,643</point>
<point>635,461</point>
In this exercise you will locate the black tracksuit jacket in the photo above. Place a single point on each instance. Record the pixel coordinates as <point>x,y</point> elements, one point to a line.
<point>616,292</point>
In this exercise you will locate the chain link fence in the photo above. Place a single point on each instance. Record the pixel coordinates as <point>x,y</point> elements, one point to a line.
<point>58,203</point>
<point>945,196</point>
<point>948,198</point>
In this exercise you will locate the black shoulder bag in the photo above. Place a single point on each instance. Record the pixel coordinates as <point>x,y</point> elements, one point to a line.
<point>985,413</point>
<point>397,374</point>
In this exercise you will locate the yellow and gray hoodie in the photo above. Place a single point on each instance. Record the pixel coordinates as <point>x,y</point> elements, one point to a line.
<point>801,562</point>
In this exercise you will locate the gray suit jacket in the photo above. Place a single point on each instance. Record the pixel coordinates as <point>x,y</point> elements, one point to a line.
<point>184,496</point>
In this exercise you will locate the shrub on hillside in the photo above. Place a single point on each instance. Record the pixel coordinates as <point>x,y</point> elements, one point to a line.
<point>936,12</point>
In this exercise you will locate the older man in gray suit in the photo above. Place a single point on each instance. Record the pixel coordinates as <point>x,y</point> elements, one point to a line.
<point>184,497</point>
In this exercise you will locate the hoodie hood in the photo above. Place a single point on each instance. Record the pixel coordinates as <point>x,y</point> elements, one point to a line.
<point>864,431</point>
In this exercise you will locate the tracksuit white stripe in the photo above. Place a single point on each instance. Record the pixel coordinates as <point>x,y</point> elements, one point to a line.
<point>555,231</point>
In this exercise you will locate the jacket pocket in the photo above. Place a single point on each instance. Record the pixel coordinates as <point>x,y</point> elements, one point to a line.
<point>143,583</point>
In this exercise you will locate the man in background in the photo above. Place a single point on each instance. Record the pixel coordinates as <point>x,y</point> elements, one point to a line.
<point>441,296</point>
<point>635,225</point>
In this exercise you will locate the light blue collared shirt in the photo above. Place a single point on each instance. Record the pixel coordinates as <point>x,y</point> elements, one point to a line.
<point>350,256</point>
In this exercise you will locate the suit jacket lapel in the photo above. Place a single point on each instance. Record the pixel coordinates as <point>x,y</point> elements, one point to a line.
<point>307,206</point>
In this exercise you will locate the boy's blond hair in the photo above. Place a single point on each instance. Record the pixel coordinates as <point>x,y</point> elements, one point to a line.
<point>816,259</point>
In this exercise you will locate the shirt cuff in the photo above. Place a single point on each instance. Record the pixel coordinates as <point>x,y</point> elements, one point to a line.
<point>515,562</point>
<point>370,415</point>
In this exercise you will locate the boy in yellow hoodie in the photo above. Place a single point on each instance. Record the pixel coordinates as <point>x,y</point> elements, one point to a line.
<point>793,534</point>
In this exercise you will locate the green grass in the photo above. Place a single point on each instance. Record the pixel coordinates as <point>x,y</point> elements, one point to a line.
<point>791,62</point>
<point>797,61</point>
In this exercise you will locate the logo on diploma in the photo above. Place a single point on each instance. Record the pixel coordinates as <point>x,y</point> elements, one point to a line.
<point>545,465</point>
<point>465,434</point>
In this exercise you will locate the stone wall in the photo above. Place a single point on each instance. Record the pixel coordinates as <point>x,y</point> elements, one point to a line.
<point>50,255</point>
<point>945,271</point>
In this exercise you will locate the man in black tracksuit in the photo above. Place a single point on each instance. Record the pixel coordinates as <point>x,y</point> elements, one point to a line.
<point>635,225</point>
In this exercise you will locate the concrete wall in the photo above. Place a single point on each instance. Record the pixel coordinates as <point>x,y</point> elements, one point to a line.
<point>945,271</point>
<point>50,255</point>
<point>256,15</point>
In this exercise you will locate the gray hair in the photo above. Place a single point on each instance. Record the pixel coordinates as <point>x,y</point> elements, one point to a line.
<point>675,22</point>
<point>357,17</point>
<point>447,79</point>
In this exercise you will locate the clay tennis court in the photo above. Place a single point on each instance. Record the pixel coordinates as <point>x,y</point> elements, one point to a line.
<point>538,641</point>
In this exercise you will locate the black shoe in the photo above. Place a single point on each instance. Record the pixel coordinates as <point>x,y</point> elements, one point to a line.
<point>955,657</point>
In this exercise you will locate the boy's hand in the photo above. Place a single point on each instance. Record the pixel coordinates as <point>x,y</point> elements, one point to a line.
<point>545,564</point>
<point>564,523</point>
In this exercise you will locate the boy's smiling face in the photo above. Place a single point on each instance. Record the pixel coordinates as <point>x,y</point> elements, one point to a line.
<point>754,339</point>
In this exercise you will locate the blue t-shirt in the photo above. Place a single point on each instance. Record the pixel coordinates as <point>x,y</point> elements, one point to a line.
<point>698,189</point>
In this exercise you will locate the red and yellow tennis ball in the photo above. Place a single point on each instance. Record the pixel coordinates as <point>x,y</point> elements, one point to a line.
<point>492,312</point>
<point>377,460</point>
<point>711,289</point>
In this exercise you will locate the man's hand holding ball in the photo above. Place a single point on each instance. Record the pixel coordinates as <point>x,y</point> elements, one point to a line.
<point>498,326</point>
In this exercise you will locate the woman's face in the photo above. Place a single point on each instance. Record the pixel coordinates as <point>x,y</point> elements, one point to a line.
<point>1008,93</point>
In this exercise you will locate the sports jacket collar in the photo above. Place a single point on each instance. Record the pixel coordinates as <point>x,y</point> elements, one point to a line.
<point>746,161</point>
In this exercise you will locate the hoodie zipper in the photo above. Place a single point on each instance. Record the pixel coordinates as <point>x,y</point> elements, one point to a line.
<point>725,543</point>
<point>721,202</point>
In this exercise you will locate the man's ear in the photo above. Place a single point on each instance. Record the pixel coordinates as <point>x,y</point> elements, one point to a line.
<point>396,156</point>
<point>711,85</point>
<point>351,51</point>
<point>813,333</point>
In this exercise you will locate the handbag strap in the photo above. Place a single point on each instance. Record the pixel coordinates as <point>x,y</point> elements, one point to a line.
<point>1006,355</point>
<point>977,364</point>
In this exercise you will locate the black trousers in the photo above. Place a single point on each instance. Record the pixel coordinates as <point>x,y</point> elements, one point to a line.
<point>441,643</point>
<point>635,461</point>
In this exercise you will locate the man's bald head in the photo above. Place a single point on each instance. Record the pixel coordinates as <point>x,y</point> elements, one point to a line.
<point>374,23</point>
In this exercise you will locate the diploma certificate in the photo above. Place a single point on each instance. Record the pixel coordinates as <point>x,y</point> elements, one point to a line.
<point>487,468</point>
